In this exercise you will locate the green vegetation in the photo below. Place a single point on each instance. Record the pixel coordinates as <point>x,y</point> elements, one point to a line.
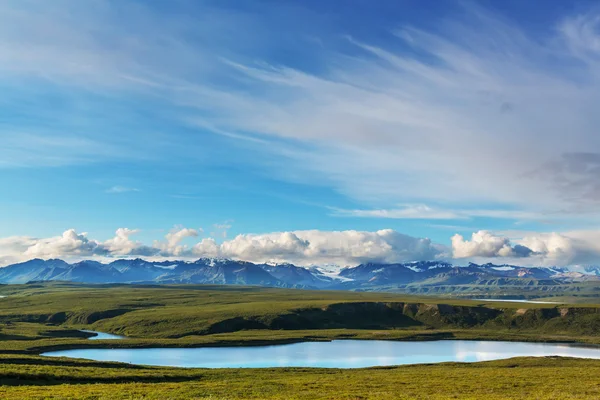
<point>40,317</point>
<point>522,378</point>
<point>519,288</point>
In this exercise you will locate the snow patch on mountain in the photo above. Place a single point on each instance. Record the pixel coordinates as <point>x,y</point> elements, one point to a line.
<point>173,266</point>
<point>504,268</point>
<point>331,272</point>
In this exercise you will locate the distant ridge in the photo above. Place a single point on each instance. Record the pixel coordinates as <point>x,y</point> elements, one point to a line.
<point>369,276</point>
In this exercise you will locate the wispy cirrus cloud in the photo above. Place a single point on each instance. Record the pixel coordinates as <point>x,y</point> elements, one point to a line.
<point>422,211</point>
<point>475,111</point>
<point>467,127</point>
<point>121,189</point>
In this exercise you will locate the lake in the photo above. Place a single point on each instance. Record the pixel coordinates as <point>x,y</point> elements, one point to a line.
<point>335,354</point>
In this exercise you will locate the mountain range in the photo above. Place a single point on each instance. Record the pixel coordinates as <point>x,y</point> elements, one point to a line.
<point>369,276</point>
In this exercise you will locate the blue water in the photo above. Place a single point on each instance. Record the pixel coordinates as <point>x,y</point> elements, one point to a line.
<point>335,354</point>
<point>519,301</point>
<point>103,336</point>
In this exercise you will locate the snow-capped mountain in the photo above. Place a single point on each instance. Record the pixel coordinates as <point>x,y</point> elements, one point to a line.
<point>369,276</point>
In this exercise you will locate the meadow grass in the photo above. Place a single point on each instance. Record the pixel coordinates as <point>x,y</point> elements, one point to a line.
<point>520,378</point>
<point>43,317</point>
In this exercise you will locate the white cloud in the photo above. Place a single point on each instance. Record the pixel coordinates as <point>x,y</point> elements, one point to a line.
<point>207,247</point>
<point>580,34</point>
<point>531,248</point>
<point>122,245</point>
<point>77,246</point>
<point>301,247</point>
<point>121,189</point>
<point>172,246</point>
<point>275,246</point>
<point>482,122</point>
<point>12,249</point>
<point>70,243</point>
<point>324,247</point>
<point>480,116</point>
<point>419,211</point>
<point>486,245</point>
<point>318,247</point>
<point>422,211</point>
<point>565,248</point>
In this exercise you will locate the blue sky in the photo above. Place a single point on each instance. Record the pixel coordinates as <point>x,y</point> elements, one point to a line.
<point>263,118</point>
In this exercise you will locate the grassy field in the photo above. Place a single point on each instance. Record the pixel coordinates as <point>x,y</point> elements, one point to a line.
<point>522,378</point>
<point>532,289</point>
<point>37,318</point>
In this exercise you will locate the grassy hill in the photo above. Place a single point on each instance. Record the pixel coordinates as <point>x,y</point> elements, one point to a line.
<point>187,314</point>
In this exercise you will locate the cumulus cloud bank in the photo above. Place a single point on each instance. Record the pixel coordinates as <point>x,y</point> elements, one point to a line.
<point>337,247</point>
<point>531,248</point>
<point>300,247</point>
<point>315,247</point>
<point>486,244</point>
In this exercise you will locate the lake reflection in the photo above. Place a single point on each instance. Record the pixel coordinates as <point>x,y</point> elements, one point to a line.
<point>335,354</point>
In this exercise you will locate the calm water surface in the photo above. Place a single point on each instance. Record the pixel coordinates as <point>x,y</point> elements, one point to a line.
<point>103,336</point>
<point>520,301</point>
<point>336,354</point>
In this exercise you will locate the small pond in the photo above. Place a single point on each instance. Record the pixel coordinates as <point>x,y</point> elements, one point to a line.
<point>103,336</point>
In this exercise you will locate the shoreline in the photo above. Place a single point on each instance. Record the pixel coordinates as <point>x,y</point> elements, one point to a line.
<point>210,341</point>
